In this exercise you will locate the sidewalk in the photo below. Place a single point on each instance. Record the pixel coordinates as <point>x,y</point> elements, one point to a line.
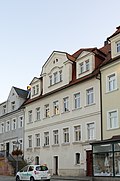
<point>71,178</point>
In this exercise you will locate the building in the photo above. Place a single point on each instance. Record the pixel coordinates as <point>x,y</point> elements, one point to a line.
<point>63,113</point>
<point>12,121</point>
<point>106,154</point>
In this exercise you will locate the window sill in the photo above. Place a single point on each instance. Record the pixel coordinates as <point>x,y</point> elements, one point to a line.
<point>107,92</point>
<point>110,129</point>
<point>76,142</point>
<point>46,146</point>
<point>75,109</point>
<point>65,144</point>
<point>92,104</point>
<point>55,115</point>
<point>65,112</point>
<point>55,145</point>
<point>30,122</point>
<point>37,120</point>
<point>29,149</point>
<point>46,117</point>
<point>54,84</point>
<point>37,148</point>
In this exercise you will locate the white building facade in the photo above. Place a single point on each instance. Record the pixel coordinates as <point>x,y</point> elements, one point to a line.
<point>62,115</point>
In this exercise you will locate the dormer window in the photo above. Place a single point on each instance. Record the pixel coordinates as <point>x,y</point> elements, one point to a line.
<point>4,109</point>
<point>118,46</point>
<point>87,65</point>
<point>13,105</point>
<point>81,68</point>
<point>35,90</point>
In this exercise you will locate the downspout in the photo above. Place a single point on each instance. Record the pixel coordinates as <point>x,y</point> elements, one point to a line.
<point>99,78</point>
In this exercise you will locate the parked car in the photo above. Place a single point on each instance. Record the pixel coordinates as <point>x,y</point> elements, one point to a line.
<point>33,172</point>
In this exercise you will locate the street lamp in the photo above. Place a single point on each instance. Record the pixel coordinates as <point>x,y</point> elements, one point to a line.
<point>17,152</point>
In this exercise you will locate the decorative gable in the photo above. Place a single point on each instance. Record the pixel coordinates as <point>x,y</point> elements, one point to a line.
<point>115,43</point>
<point>56,72</point>
<point>85,64</point>
<point>36,87</point>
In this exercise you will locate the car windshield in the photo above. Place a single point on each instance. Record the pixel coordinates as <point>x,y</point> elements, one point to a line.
<point>41,168</point>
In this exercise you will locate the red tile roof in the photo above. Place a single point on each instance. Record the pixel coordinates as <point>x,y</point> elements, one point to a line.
<point>116,32</point>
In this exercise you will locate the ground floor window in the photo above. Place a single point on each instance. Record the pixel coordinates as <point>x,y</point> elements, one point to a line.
<point>106,159</point>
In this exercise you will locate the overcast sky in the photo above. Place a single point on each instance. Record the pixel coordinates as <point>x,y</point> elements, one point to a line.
<point>30,30</point>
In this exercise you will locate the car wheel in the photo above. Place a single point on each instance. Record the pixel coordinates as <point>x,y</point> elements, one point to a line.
<point>17,178</point>
<point>31,178</point>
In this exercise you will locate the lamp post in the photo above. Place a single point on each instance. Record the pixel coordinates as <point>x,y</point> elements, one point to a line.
<point>17,153</point>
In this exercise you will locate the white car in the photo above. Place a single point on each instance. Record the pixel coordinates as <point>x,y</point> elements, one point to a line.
<point>33,172</point>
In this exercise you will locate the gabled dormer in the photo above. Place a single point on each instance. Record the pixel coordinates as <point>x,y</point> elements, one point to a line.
<point>16,98</point>
<point>87,60</point>
<point>36,87</point>
<point>115,43</point>
<point>56,72</point>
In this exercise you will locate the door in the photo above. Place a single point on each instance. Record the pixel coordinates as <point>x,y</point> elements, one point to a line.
<point>7,149</point>
<point>56,165</point>
<point>89,161</point>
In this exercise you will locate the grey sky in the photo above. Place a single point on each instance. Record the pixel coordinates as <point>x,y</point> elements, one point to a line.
<point>31,29</point>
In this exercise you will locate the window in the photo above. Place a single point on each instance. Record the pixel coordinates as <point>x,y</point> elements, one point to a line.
<point>20,123</point>
<point>50,77</point>
<point>56,107</point>
<point>2,128</point>
<point>60,73</point>
<point>111,82</point>
<point>7,126</point>
<point>55,137</point>
<point>90,131</point>
<point>13,124</point>
<point>47,111</point>
<point>13,105</point>
<point>4,109</point>
<point>81,68</point>
<point>35,90</point>
<point>30,141</point>
<point>37,141</point>
<point>66,135</point>
<point>77,133</point>
<point>77,158</point>
<point>90,96</point>
<point>21,144</point>
<point>55,77</point>
<point>112,119</point>
<point>30,116</point>
<point>65,104</point>
<point>118,46</point>
<point>87,65</point>
<point>37,113</point>
<point>46,138</point>
<point>77,100</point>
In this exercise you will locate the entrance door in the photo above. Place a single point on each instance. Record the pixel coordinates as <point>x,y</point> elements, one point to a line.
<point>7,149</point>
<point>89,162</point>
<point>56,165</point>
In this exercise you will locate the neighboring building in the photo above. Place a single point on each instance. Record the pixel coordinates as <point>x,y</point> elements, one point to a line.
<point>106,154</point>
<point>12,120</point>
<point>63,113</point>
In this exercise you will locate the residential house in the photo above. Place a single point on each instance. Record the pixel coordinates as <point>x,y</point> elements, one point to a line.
<point>12,121</point>
<point>63,114</point>
<point>106,153</point>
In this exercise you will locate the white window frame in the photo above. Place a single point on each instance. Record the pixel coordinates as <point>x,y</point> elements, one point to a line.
<point>112,82</point>
<point>30,141</point>
<point>65,104</point>
<point>38,114</point>
<point>14,123</point>
<point>90,131</point>
<point>111,120</point>
<point>118,47</point>
<point>2,127</point>
<point>77,100</point>
<point>30,116</point>
<point>20,121</point>
<point>81,65</point>
<point>60,75</point>
<point>77,133</point>
<point>13,105</point>
<point>37,140</point>
<point>4,109</point>
<point>7,126</point>
<point>90,96</point>
<point>87,65</point>
<point>56,137</point>
<point>50,78</point>
<point>56,107</point>
<point>66,135</point>
<point>46,138</point>
<point>47,111</point>
<point>55,76</point>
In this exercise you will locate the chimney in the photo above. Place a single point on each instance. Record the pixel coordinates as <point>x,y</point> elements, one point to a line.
<point>105,42</point>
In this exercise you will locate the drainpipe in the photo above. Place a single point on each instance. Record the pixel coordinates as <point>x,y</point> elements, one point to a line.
<point>99,78</point>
